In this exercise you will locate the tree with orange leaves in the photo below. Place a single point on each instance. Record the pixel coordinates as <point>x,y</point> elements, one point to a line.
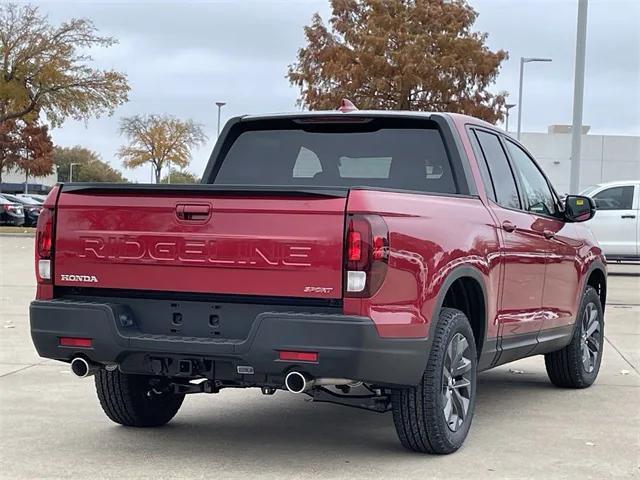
<point>399,55</point>
<point>9,146</point>
<point>27,147</point>
<point>36,155</point>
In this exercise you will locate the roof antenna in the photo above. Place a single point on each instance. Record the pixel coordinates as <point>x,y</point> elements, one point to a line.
<point>347,106</point>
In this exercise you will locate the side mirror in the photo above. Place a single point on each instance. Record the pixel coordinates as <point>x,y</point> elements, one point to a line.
<point>578,208</point>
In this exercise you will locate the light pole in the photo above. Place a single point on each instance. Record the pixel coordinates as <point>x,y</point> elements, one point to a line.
<point>524,60</point>
<point>578,95</point>
<point>220,105</point>
<point>508,107</point>
<point>71,171</point>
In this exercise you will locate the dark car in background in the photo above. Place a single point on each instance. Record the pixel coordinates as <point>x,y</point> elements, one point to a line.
<point>30,207</point>
<point>11,213</point>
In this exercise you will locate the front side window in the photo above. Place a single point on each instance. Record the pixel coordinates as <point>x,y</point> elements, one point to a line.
<point>536,189</point>
<point>504,184</point>
<point>615,198</point>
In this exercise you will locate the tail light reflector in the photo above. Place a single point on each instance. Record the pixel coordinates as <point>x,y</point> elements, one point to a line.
<point>76,342</point>
<point>366,256</point>
<point>298,356</point>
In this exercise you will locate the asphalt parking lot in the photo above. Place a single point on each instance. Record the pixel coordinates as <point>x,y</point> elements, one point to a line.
<point>51,425</point>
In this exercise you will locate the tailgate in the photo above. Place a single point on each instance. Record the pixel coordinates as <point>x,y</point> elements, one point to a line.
<point>230,242</point>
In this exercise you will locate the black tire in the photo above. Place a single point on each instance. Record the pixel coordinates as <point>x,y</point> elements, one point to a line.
<point>419,412</point>
<point>129,401</point>
<point>567,368</point>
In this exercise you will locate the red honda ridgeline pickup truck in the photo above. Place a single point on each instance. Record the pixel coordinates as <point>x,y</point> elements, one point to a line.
<point>372,259</point>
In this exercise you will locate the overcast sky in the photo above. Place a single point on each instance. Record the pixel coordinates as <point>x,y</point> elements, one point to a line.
<point>180,57</point>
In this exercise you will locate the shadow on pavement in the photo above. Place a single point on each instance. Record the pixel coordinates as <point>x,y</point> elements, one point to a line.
<point>285,423</point>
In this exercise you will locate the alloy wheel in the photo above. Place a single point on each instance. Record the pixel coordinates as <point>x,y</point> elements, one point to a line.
<point>591,337</point>
<point>456,382</point>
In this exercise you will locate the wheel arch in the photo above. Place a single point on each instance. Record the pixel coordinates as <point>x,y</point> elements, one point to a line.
<point>596,277</point>
<point>464,289</point>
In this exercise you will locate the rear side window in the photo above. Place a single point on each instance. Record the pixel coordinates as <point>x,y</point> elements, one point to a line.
<point>380,153</point>
<point>504,183</point>
<point>615,198</point>
<point>307,164</point>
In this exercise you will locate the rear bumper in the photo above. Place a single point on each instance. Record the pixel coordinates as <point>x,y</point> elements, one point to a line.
<point>347,346</point>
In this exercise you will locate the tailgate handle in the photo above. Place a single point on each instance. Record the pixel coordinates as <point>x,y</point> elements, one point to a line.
<point>193,213</point>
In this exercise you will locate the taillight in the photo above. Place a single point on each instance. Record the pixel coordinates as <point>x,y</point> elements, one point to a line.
<point>354,246</point>
<point>366,256</point>
<point>44,245</point>
<point>44,233</point>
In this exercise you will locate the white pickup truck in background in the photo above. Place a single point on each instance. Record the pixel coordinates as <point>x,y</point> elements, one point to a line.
<point>616,224</point>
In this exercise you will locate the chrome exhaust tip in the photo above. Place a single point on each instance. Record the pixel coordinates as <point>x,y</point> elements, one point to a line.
<point>297,382</point>
<point>82,368</point>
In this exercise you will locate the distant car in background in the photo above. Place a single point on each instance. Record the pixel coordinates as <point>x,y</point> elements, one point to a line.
<point>11,213</point>
<point>30,207</point>
<point>616,223</point>
<point>34,196</point>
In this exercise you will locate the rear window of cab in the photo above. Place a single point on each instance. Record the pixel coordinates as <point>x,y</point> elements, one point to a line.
<point>383,153</point>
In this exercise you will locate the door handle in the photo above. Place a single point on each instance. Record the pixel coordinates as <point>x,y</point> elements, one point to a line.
<point>192,212</point>
<point>548,234</point>
<point>628,216</point>
<point>508,226</point>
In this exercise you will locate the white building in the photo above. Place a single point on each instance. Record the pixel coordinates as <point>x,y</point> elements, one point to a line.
<point>604,158</point>
<point>12,179</point>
